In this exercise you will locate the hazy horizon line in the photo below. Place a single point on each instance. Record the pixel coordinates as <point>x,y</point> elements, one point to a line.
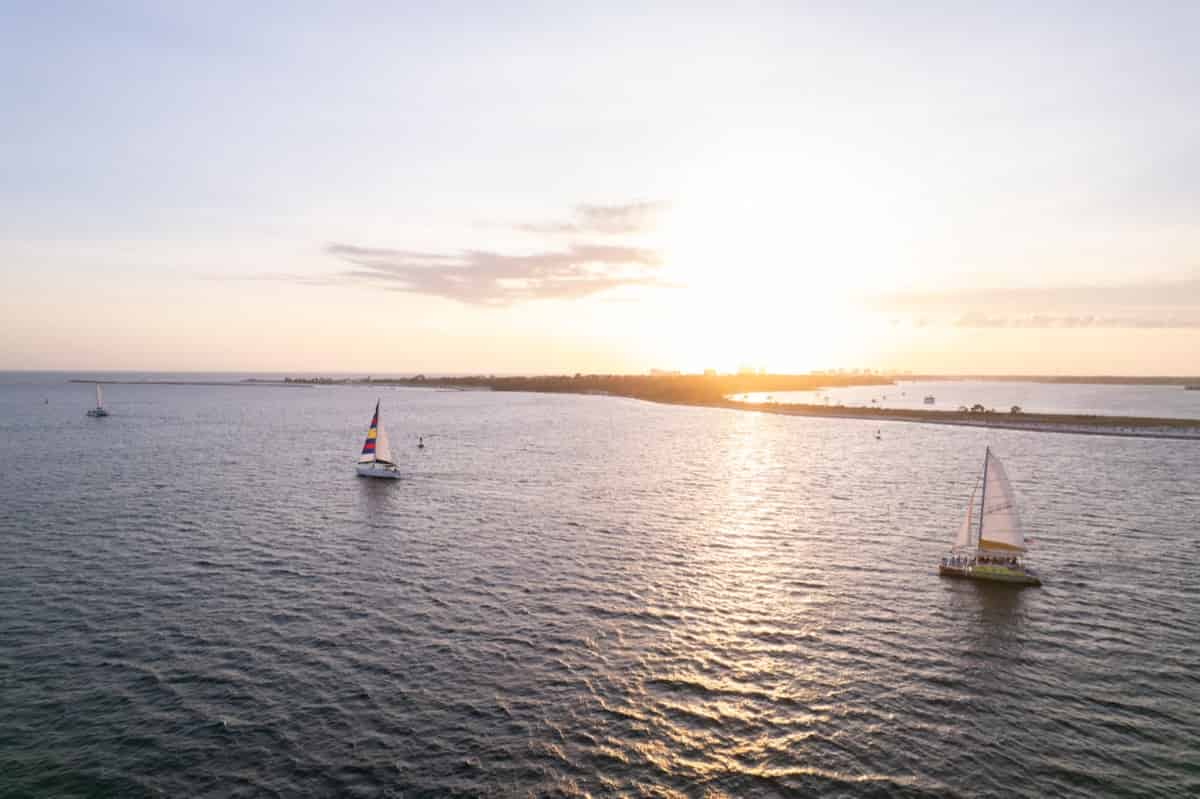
<point>431,374</point>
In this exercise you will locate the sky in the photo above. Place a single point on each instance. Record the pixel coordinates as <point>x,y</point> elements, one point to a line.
<point>514,188</point>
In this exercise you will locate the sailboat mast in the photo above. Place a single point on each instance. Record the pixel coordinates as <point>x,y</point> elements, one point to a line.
<point>375,427</point>
<point>983,493</point>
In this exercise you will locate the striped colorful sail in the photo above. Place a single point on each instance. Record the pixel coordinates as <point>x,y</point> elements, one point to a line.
<point>368,450</point>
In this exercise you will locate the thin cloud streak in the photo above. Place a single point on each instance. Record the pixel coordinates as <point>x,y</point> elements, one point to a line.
<point>1147,305</point>
<point>1043,322</point>
<point>603,219</point>
<point>1173,293</point>
<point>279,277</point>
<point>485,277</point>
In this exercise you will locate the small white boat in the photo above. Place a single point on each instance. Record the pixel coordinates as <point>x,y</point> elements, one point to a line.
<point>99,409</point>
<point>992,549</point>
<point>376,458</point>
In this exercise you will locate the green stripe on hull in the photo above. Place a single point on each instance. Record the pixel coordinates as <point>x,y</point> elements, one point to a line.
<point>994,574</point>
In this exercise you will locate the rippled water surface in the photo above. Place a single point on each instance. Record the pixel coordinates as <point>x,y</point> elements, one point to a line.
<point>573,596</point>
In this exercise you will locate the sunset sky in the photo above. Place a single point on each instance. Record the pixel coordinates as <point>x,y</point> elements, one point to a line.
<point>517,188</point>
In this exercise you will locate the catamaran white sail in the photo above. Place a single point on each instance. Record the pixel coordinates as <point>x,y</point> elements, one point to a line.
<point>994,548</point>
<point>99,409</point>
<point>376,457</point>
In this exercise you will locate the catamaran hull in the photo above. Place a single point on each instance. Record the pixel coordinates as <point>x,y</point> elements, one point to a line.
<point>989,574</point>
<point>378,470</point>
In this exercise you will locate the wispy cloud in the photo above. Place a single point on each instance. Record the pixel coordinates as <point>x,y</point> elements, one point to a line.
<point>636,217</point>
<point>484,277</point>
<point>298,278</point>
<point>1163,293</point>
<point>561,271</point>
<point>1042,321</point>
<point>1144,305</point>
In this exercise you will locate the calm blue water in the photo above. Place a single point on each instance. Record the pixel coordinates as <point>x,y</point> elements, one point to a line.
<point>1165,402</point>
<point>576,596</point>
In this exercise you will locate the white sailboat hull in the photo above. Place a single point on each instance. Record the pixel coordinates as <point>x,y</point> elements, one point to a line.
<point>380,470</point>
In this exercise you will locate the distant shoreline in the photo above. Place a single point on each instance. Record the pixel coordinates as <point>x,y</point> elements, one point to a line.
<point>241,383</point>
<point>813,381</point>
<point>1094,380</point>
<point>713,391</point>
<point>1120,426</point>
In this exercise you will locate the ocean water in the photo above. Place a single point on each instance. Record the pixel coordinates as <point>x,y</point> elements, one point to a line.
<point>576,596</point>
<point>1166,402</point>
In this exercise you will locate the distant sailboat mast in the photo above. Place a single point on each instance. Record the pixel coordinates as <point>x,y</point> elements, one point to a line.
<point>98,411</point>
<point>987,453</point>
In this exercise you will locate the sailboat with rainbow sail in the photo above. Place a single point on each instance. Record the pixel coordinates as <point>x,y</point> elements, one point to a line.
<point>992,549</point>
<point>376,458</point>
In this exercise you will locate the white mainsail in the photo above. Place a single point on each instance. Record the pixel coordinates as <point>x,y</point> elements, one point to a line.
<point>100,397</point>
<point>383,452</point>
<point>963,539</point>
<point>999,523</point>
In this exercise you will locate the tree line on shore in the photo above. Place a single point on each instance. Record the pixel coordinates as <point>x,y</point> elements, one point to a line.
<point>671,388</point>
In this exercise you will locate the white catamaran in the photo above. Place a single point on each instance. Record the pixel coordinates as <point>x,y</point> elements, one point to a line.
<point>993,548</point>
<point>376,457</point>
<point>99,409</point>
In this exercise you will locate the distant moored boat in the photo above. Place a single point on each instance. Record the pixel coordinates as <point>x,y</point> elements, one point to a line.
<point>992,549</point>
<point>99,409</point>
<point>929,400</point>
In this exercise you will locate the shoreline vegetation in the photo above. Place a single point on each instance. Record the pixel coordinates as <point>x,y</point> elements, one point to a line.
<point>248,382</point>
<point>715,391</point>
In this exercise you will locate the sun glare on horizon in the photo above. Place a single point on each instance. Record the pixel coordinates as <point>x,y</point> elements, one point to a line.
<point>771,265</point>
